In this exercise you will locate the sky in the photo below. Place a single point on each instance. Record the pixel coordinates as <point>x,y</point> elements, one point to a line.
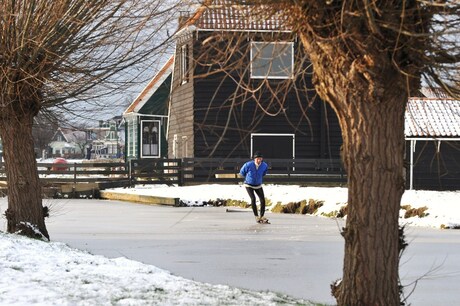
<point>35,272</point>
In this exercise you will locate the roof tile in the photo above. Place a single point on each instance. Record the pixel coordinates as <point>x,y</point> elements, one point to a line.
<point>226,15</point>
<point>427,117</point>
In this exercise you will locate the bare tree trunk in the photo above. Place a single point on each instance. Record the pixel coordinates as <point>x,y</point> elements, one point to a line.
<point>48,53</point>
<point>369,97</point>
<point>373,152</point>
<point>25,213</point>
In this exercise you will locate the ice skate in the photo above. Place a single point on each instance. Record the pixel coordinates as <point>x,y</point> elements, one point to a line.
<point>263,220</point>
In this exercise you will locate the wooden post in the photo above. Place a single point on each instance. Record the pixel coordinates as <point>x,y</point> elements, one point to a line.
<point>74,175</point>
<point>130,172</point>
<point>74,180</point>
<point>411,169</point>
<point>181,175</point>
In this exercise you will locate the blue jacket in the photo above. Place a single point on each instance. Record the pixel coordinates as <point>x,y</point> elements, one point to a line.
<point>252,175</point>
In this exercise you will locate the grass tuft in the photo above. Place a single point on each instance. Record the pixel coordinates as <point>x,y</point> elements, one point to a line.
<point>414,212</point>
<point>303,207</point>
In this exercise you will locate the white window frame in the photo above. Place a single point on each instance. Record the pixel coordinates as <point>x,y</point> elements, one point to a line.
<point>184,64</point>
<point>158,124</point>
<point>132,138</point>
<point>175,145</point>
<point>258,45</point>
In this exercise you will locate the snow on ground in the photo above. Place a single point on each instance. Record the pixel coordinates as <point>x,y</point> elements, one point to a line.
<point>35,272</point>
<point>443,207</point>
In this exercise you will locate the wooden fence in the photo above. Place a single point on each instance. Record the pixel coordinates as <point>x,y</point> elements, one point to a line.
<point>75,177</point>
<point>190,171</point>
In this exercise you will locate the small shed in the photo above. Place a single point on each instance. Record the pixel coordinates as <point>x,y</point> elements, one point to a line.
<point>432,131</point>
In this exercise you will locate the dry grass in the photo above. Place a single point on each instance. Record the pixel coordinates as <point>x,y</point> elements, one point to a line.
<point>456,226</point>
<point>414,212</point>
<point>303,207</point>
<point>237,203</point>
<point>343,211</point>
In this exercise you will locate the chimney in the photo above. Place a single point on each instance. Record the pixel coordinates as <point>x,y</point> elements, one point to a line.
<point>183,17</point>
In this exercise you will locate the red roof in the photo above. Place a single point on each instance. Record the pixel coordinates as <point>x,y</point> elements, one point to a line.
<point>233,16</point>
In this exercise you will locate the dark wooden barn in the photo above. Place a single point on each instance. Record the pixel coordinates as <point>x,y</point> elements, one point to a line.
<point>238,88</point>
<point>237,84</point>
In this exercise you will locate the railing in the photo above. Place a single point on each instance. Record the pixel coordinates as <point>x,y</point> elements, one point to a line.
<point>155,171</point>
<point>220,170</point>
<point>82,172</point>
<point>78,177</point>
<point>185,171</point>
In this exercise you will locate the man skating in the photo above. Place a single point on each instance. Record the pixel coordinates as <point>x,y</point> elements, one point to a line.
<point>253,172</point>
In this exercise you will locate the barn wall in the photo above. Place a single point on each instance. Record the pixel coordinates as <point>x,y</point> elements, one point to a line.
<point>436,165</point>
<point>227,110</point>
<point>180,131</point>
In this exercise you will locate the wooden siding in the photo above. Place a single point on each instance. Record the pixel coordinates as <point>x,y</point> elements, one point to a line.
<point>436,165</point>
<point>181,109</point>
<point>225,115</point>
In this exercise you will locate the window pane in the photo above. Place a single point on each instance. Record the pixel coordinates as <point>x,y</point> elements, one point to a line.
<point>150,138</point>
<point>184,66</point>
<point>271,60</point>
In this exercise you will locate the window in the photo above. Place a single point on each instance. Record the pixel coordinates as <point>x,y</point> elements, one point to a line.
<point>273,60</point>
<point>150,138</point>
<point>184,64</point>
<point>132,138</point>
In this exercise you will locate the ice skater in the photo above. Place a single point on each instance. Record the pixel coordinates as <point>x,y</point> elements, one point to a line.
<point>253,172</point>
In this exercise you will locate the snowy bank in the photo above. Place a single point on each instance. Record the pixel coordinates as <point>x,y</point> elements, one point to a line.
<point>50,273</point>
<point>442,207</point>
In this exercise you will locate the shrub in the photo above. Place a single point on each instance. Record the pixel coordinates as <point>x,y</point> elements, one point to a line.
<point>291,207</point>
<point>313,206</point>
<point>268,202</point>
<point>237,203</point>
<point>218,202</point>
<point>331,214</point>
<point>405,207</point>
<point>278,208</point>
<point>343,211</point>
<point>302,207</point>
<point>414,212</point>
<point>455,226</point>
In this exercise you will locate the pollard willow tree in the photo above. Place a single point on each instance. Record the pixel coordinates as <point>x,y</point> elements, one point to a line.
<point>57,54</point>
<point>368,57</point>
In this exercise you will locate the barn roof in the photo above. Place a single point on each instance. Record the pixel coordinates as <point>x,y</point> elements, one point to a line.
<point>151,87</point>
<point>425,117</point>
<point>227,15</point>
<point>430,117</point>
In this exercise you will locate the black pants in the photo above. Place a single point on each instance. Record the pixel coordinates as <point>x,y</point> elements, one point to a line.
<point>260,194</point>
